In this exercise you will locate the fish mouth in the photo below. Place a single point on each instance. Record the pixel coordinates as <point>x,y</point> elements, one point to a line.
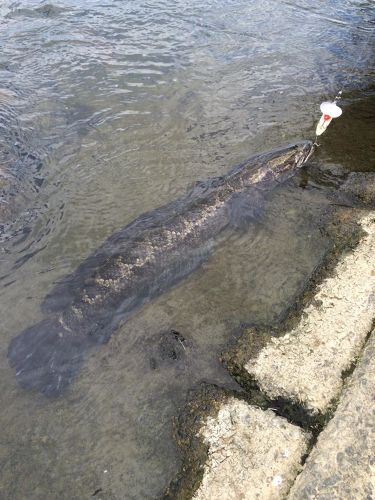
<point>306,152</point>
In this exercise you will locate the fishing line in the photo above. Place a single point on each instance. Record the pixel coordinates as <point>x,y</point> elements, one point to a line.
<point>330,109</point>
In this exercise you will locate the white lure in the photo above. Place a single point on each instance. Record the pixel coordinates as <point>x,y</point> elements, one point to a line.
<point>329,111</point>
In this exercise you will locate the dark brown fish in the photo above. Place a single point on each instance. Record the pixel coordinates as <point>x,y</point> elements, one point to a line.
<point>140,262</point>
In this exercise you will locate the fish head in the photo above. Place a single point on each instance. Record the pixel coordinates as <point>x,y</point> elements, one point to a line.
<point>301,152</point>
<point>286,161</point>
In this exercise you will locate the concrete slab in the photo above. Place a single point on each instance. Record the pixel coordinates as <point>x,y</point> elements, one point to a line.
<point>252,454</point>
<point>306,365</point>
<point>342,465</point>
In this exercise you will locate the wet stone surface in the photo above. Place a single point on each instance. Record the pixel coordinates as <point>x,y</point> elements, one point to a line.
<point>360,185</point>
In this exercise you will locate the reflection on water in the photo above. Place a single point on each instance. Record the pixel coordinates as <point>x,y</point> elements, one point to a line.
<point>124,105</point>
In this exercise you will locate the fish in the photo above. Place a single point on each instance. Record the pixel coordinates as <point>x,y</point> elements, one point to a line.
<point>138,263</point>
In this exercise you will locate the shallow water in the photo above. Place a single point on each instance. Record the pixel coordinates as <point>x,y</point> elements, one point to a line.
<point>118,108</point>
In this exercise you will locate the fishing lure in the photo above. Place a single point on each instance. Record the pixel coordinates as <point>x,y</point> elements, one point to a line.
<point>329,111</point>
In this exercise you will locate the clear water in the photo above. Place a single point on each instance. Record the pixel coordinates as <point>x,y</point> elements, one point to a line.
<point>110,109</point>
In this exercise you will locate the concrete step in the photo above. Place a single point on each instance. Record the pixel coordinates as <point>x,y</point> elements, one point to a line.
<point>342,464</point>
<point>306,365</point>
<point>252,454</point>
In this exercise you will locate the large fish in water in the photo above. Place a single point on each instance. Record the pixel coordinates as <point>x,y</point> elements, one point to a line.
<point>137,263</point>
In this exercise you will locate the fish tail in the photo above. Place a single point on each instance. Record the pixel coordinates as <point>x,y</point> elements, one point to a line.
<point>46,357</point>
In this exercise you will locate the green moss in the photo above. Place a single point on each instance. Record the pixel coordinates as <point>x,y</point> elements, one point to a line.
<point>202,402</point>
